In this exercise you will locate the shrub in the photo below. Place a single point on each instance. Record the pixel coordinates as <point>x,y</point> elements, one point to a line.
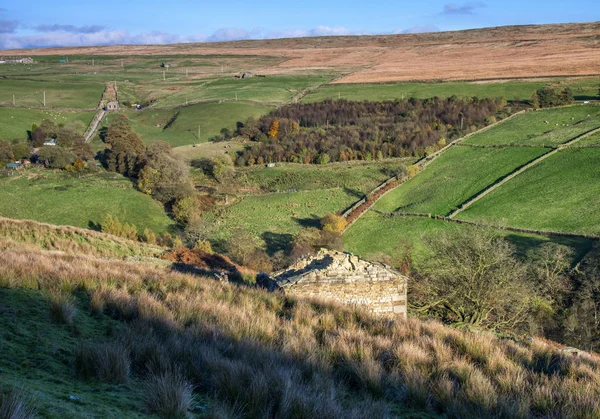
<point>204,246</point>
<point>62,307</point>
<point>148,236</point>
<point>15,405</point>
<point>108,362</point>
<point>168,394</point>
<point>55,157</point>
<point>333,223</point>
<point>186,209</point>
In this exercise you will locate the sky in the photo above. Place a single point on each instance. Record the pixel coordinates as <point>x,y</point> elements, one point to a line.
<point>44,23</point>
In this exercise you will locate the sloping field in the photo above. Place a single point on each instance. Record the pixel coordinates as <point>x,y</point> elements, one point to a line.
<point>375,236</point>
<point>453,177</point>
<point>15,122</point>
<point>58,198</point>
<point>532,129</point>
<point>154,125</point>
<point>562,193</point>
<point>479,54</point>
<point>593,139</point>
<point>58,94</point>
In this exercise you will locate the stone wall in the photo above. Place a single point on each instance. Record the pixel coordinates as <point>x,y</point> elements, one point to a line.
<point>346,278</point>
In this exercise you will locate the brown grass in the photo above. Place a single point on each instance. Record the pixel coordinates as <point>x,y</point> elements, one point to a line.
<point>108,362</point>
<point>15,404</point>
<point>263,355</point>
<point>480,54</point>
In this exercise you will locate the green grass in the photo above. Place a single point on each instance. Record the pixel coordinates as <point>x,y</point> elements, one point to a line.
<point>58,94</point>
<point>531,129</point>
<point>62,199</point>
<point>359,178</point>
<point>375,236</point>
<point>17,121</point>
<point>562,193</point>
<point>37,355</point>
<point>211,118</point>
<point>455,176</point>
<point>274,218</point>
<point>593,139</point>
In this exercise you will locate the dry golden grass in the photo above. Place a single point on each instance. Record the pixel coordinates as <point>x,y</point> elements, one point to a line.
<point>266,355</point>
<point>479,54</point>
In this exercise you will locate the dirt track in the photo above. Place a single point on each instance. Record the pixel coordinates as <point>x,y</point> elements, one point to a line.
<point>480,54</point>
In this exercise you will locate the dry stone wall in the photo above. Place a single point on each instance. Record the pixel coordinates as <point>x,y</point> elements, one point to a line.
<point>346,278</point>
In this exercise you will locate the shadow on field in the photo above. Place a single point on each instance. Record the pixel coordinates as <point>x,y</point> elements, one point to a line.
<point>313,221</point>
<point>277,242</point>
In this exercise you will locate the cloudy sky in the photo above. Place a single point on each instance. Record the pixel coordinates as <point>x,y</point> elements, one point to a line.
<point>43,23</point>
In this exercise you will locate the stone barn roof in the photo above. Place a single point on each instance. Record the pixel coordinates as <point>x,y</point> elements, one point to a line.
<point>346,278</point>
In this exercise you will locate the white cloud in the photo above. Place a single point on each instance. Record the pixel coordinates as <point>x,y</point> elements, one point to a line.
<point>418,29</point>
<point>69,28</point>
<point>464,9</point>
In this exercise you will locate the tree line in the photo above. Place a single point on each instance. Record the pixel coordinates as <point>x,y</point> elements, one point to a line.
<point>342,130</point>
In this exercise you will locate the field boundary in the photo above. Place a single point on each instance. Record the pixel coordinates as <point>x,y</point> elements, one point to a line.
<point>470,201</point>
<point>362,206</point>
<point>480,224</point>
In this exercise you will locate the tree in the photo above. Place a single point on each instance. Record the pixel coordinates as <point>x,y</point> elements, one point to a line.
<point>274,129</point>
<point>163,175</point>
<point>67,137</point>
<point>148,236</point>
<point>55,157</point>
<point>222,168</point>
<point>186,209</point>
<point>112,225</point>
<point>21,151</point>
<point>50,128</point>
<point>6,152</point>
<point>83,150</point>
<point>473,279</point>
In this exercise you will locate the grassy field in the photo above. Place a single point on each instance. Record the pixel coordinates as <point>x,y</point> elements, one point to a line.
<point>532,129</point>
<point>593,139</point>
<point>455,176</point>
<point>562,193</point>
<point>58,198</point>
<point>378,237</point>
<point>184,130</point>
<point>17,121</point>
<point>58,94</point>
<point>511,90</point>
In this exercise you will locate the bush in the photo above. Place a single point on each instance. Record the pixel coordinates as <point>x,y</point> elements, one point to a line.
<point>62,307</point>
<point>168,395</point>
<point>108,362</point>
<point>15,405</point>
<point>333,223</point>
<point>204,246</point>
<point>55,157</point>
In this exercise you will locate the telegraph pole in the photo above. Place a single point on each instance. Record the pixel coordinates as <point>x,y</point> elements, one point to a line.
<point>199,132</point>
<point>13,100</point>
<point>93,62</point>
<point>44,98</point>
<point>236,96</point>
<point>164,78</point>
<point>186,73</point>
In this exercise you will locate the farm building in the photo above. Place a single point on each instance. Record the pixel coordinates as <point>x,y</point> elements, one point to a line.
<point>112,106</point>
<point>344,277</point>
<point>16,60</point>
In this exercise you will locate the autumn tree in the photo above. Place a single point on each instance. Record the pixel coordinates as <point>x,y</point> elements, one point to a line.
<point>274,129</point>
<point>333,223</point>
<point>6,152</point>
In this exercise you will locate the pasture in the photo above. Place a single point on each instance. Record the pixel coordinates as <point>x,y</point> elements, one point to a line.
<point>378,237</point>
<point>153,124</point>
<point>455,176</point>
<point>562,193</point>
<point>63,199</point>
<point>15,122</point>
<point>543,127</point>
<point>29,93</point>
<point>592,140</point>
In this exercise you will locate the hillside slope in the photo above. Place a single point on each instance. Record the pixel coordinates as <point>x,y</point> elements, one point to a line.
<point>478,54</point>
<point>88,336</point>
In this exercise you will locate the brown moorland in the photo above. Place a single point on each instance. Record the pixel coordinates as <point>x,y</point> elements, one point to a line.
<point>507,52</point>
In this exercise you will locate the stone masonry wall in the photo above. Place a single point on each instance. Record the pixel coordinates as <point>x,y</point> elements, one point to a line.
<point>345,278</point>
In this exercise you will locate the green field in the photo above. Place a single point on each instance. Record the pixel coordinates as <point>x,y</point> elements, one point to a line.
<point>15,122</point>
<point>511,90</point>
<point>532,129</point>
<point>455,176</point>
<point>58,94</point>
<point>593,139</point>
<point>376,237</point>
<point>562,193</point>
<point>62,199</point>
<point>184,130</point>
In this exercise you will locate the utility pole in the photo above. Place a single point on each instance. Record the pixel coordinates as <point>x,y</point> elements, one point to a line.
<point>93,62</point>
<point>186,102</point>
<point>121,63</point>
<point>186,73</point>
<point>462,118</point>
<point>221,69</point>
<point>236,96</point>
<point>44,98</point>
<point>164,78</point>
<point>199,132</point>
<point>13,100</point>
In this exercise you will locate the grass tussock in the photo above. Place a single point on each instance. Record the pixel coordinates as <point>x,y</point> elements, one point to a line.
<point>63,307</point>
<point>168,394</point>
<point>255,354</point>
<point>15,404</point>
<point>108,362</point>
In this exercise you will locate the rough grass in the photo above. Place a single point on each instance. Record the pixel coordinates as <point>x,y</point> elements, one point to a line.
<point>531,129</point>
<point>562,193</point>
<point>455,176</point>
<point>260,354</point>
<point>17,121</point>
<point>15,404</point>
<point>211,117</point>
<point>593,139</point>
<point>511,90</point>
<point>63,199</point>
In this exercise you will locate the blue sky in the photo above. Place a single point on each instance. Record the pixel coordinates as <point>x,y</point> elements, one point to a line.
<point>43,23</point>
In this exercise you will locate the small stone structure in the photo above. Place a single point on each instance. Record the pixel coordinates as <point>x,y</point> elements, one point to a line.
<point>345,278</point>
<point>112,106</point>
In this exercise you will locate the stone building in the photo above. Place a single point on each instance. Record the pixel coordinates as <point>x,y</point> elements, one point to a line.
<point>345,278</point>
<point>112,106</point>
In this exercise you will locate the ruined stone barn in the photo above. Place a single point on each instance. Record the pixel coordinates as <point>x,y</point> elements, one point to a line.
<point>344,277</point>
